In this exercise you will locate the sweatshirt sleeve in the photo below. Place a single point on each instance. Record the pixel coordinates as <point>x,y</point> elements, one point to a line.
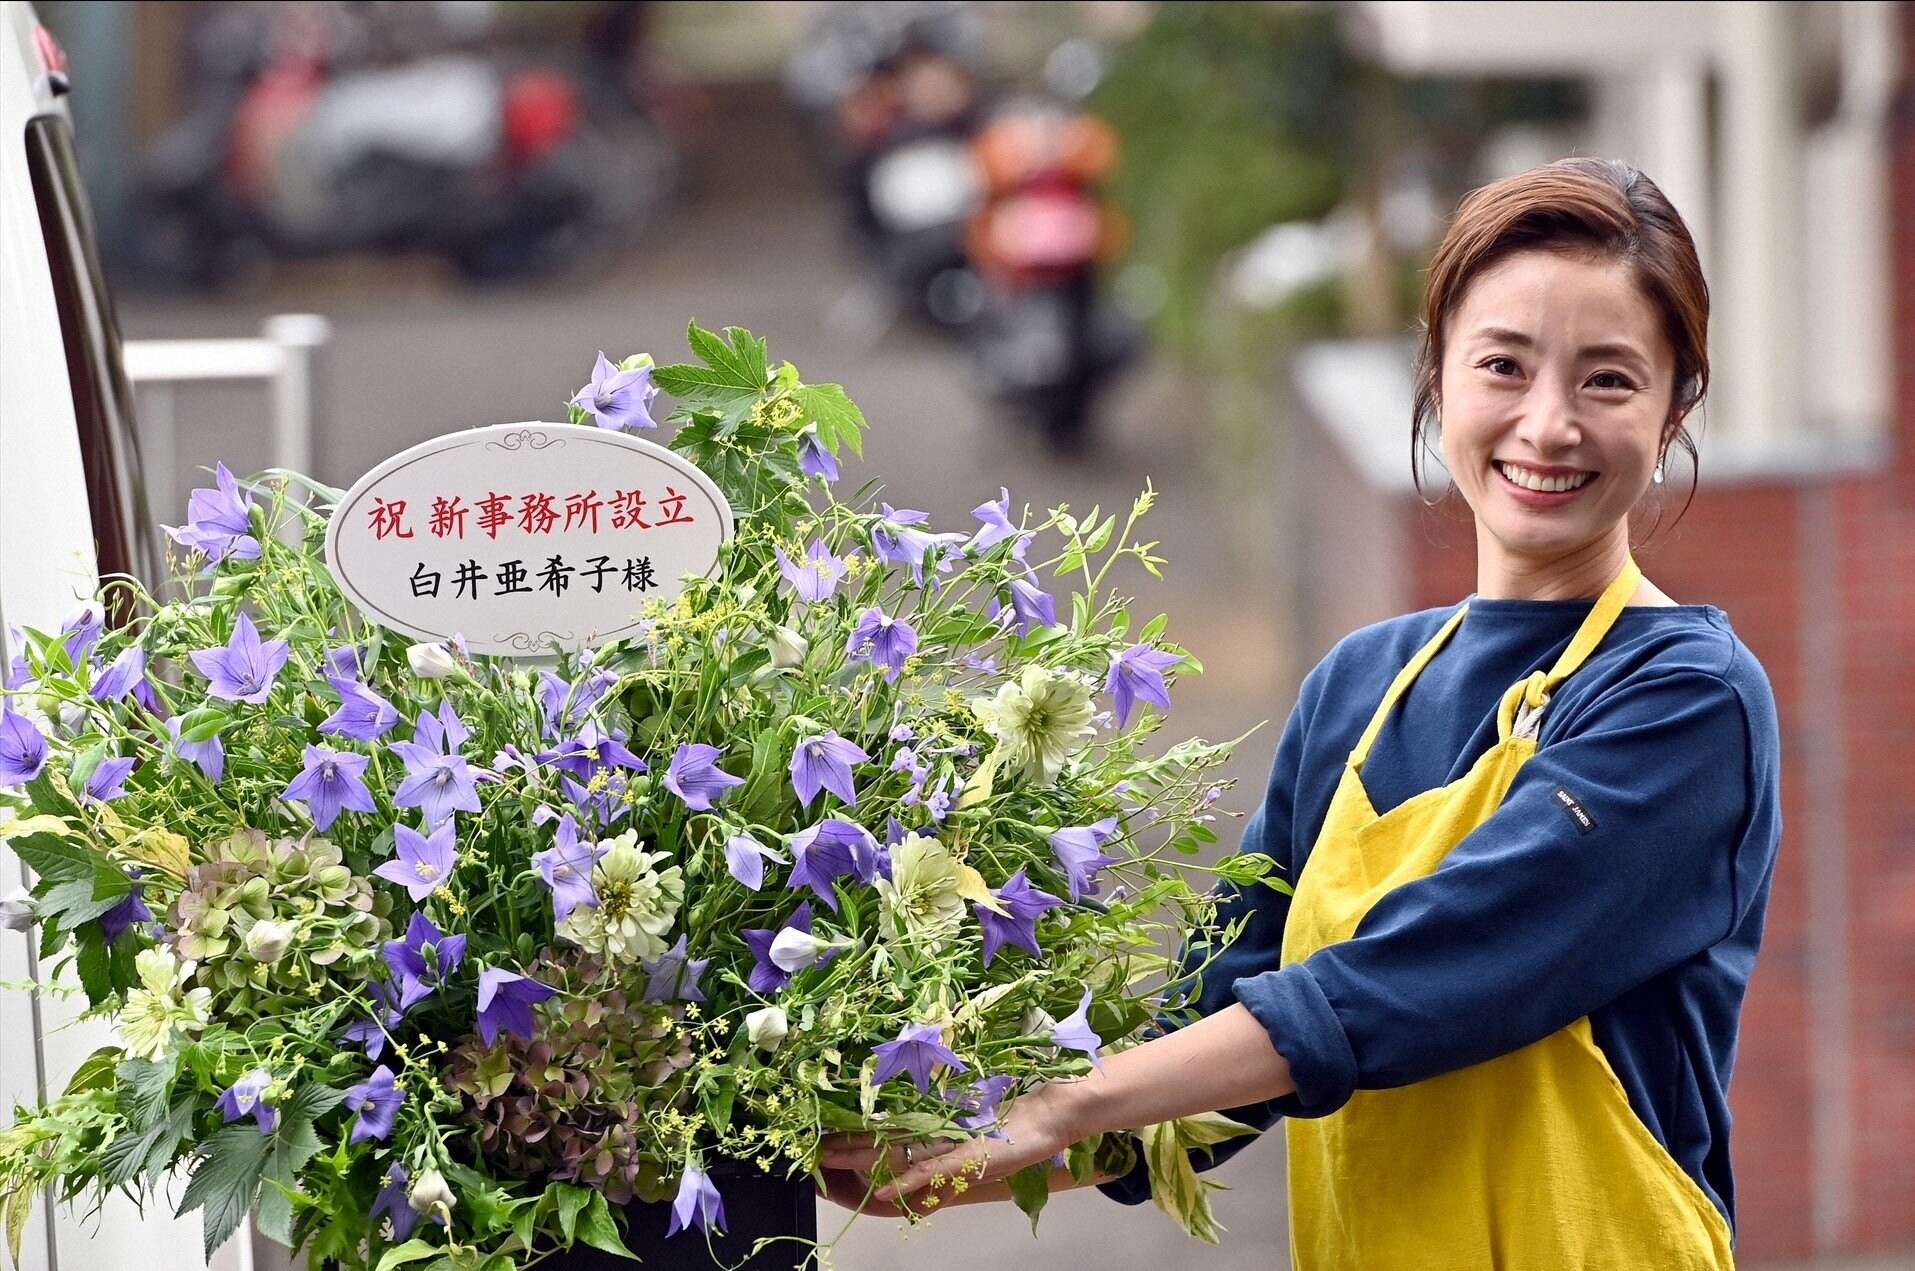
<point>1536,917</point>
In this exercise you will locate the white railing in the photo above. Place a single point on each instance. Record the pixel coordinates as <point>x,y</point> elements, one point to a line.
<point>281,358</point>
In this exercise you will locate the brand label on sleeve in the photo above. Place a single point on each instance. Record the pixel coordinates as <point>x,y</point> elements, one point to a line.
<point>1577,812</point>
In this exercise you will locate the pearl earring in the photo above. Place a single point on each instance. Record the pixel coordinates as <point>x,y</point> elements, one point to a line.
<point>1658,477</point>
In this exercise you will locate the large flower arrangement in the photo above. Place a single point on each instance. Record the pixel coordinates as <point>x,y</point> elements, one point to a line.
<point>437,959</point>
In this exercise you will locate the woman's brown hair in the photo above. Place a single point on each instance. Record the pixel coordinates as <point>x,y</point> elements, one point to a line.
<point>1596,207</point>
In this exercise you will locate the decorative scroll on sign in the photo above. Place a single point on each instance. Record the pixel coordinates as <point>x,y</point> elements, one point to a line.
<point>520,537</point>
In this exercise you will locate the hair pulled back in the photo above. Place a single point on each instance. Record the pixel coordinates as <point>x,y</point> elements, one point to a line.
<point>1599,208</point>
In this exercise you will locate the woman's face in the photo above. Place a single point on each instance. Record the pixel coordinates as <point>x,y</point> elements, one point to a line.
<point>1556,385</point>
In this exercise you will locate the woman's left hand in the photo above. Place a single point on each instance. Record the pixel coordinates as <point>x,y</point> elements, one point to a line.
<point>955,1172</point>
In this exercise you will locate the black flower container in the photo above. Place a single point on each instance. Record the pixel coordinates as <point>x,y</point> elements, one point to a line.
<point>757,1206</point>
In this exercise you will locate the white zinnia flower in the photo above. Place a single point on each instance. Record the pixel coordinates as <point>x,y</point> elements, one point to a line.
<point>637,904</point>
<point>152,1013</point>
<point>924,897</point>
<point>1039,720</point>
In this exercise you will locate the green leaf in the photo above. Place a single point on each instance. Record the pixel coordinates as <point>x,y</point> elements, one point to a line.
<point>731,370</point>
<point>19,1206</point>
<point>96,1070</point>
<point>312,1101</point>
<point>226,1182</point>
<point>685,380</point>
<point>93,961</point>
<point>1031,1189</point>
<point>413,1250</point>
<point>839,421</point>
<point>294,1144</point>
<point>203,724</point>
<point>151,1150</point>
<point>597,1229</point>
<point>573,1197</point>
<point>147,1084</point>
<point>1207,1128</point>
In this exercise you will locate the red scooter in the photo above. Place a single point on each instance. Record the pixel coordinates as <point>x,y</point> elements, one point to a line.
<point>1044,340</point>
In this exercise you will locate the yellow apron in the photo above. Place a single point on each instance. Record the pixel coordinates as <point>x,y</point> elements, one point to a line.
<point>1532,1161</point>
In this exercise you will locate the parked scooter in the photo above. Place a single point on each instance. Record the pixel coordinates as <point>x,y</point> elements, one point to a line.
<point>1043,339</point>
<point>512,172</point>
<point>892,93</point>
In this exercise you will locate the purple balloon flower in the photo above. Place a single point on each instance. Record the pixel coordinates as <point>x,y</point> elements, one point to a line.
<point>896,540</point>
<point>591,750</point>
<point>347,662</point>
<point>126,674</point>
<point>23,749</point>
<point>882,641</point>
<point>393,1202</point>
<point>814,460</point>
<point>997,524</point>
<point>247,1096</point>
<point>695,777</point>
<point>332,781</point>
<point>1138,672</point>
<point>130,911</point>
<point>371,1032</point>
<point>363,715</point>
<point>815,574</point>
<point>19,673</point>
<point>745,858</point>
<point>566,869</point>
<point>607,806</point>
<point>506,1000</point>
<point>618,399</point>
<point>675,975</point>
<point>444,733</point>
<point>107,781</point>
<point>918,1048</point>
<point>698,1204</point>
<point>1073,1032</point>
<point>1017,925</point>
<point>767,976</point>
<point>565,704</point>
<point>829,850</point>
<point>243,669</point>
<point>421,962</point>
<point>979,1101</point>
<point>440,784</point>
<point>824,763</point>
<point>374,1102</point>
<point>1077,851</point>
<point>424,861</point>
<point>209,755</point>
<point>219,521</point>
<point>1031,606</point>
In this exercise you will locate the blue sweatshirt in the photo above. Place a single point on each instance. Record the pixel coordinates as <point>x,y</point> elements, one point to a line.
<point>1647,919</point>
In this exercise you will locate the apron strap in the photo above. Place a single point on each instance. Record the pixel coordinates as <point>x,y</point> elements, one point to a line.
<point>1521,711</point>
<point>1401,685</point>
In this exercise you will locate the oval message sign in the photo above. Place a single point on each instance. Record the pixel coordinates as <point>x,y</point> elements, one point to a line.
<point>519,537</point>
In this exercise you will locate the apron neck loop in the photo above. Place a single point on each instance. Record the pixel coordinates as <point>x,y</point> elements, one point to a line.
<point>1521,712</point>
<point>1531,693</point>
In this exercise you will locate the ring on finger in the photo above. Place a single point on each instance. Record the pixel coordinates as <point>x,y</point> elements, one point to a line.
<point>907,1156</point>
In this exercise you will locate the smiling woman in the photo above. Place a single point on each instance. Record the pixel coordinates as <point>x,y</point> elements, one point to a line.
<point>1532,834</point>
<point>1566,324</point>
